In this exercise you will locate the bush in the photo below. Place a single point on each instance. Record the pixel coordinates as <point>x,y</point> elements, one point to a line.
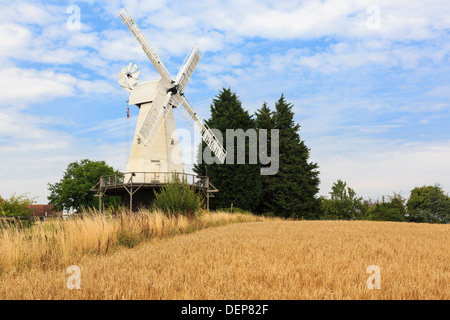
<point>392,210</point>
<point>178,197</point>
<point>419,215</point>
<point>16,205</point>
<point>344,203</point>
<point>128,239</point>
<point>382,212</point>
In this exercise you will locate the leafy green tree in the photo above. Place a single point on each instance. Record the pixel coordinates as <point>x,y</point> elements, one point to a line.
<point>392,210</point>
<point>291,192</point>
<point>343,204</point>
<point>16,205</point>
<point>238,184</point>
<point>429,204</point>
<point>72,191</point>
<point>366,205</point>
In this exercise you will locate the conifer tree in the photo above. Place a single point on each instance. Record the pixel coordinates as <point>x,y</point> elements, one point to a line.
<point>238,184</point>
<point>265,120</point>
<point>292,191</point>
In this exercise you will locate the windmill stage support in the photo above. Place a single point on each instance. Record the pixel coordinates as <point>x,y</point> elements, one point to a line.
<point>137,189</point>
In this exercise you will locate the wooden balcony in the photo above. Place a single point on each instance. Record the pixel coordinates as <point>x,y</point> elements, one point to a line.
<point>137,184</point>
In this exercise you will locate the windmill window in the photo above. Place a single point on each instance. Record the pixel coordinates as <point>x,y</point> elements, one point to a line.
<point>139,140</point>
<point>172,141</point>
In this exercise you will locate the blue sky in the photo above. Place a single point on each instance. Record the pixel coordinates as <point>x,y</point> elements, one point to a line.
<point>369,81</point>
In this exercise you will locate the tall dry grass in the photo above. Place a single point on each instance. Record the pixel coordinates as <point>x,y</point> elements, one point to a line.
<point>56,243</point>
<point>263,260</point>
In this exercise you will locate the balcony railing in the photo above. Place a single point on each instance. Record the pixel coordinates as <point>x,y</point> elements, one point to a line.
<point>151,178</point>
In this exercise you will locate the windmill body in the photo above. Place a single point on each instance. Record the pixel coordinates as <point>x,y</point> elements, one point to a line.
<point>163,155</point>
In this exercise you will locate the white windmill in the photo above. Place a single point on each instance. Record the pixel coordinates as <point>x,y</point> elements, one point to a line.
<point>155,145</point>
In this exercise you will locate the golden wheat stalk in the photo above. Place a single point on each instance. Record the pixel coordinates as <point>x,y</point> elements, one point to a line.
<point>55,243</point>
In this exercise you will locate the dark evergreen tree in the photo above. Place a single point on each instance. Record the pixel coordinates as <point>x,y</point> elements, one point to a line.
<point>238,184</point>
<point>265,120</point>
<point>292,191</point>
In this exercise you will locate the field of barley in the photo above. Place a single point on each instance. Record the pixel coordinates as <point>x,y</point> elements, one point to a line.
<point>254,259</point>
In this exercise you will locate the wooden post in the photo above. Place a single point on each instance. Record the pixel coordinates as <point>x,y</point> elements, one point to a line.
<point>131,200</point>
<point>100,202</point>
<point>207,193</point>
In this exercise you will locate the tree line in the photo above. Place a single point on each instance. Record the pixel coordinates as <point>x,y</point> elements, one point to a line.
<point>293,191</point>
<point>425,204</point>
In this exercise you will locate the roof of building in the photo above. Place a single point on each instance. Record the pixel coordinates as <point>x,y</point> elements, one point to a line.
<point>42,209</point>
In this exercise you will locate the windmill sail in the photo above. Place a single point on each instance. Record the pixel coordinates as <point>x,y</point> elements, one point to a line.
<point>152,121</point>
<point>188,68</point>
<point>189,113</point>
<point>151,54</point>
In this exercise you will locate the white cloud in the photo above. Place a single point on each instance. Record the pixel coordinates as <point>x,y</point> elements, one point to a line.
<point>14,39</point>
<point>138,8</point>
<point>25,131</point>
<point>304,20</point>
<point>119,45</point>
<point>440,91</point>
<point>342,56</point>
<point>28,151</point>
<point>61,56</point>
<point>83,39</point>
<point>97,86</point>
<point>30,13</point>
<point>20,86</point>
<point>115,127</point>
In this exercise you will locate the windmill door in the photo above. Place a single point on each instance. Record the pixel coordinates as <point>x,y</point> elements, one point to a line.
<point>156,170</point>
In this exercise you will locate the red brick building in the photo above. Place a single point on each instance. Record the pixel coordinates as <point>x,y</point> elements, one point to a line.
<point>43,210</point>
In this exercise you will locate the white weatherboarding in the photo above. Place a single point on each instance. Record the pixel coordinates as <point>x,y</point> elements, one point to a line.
<point>155,144</point>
